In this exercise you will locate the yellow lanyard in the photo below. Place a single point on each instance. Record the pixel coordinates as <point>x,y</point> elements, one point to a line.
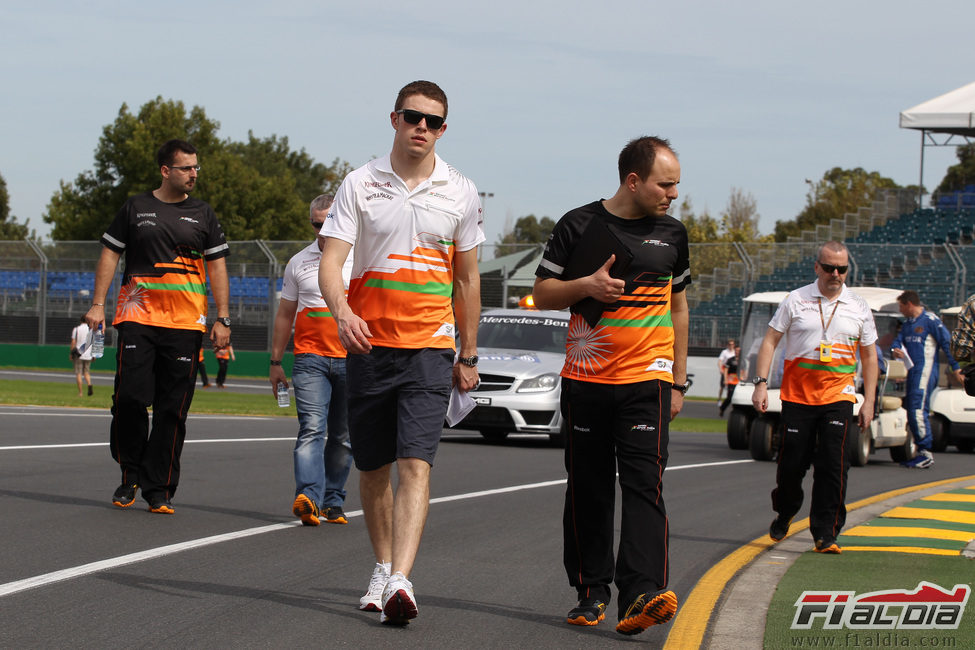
<point>825,346</point>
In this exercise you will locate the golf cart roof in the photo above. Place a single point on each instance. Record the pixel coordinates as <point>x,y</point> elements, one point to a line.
<point>879,299</point>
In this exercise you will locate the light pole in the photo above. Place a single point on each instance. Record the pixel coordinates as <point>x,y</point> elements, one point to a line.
<point>484,197</point>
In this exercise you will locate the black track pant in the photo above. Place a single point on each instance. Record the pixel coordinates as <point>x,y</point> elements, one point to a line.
<point>817,436</point>
<point>156,367</point>
<point>609,427</point>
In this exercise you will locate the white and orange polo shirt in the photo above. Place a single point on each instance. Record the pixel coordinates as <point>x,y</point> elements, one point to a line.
<point>810,378</point>
<point>404,246</point>
<point>315,328</point>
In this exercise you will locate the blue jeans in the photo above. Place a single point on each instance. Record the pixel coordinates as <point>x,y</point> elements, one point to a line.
<point>323,455</point>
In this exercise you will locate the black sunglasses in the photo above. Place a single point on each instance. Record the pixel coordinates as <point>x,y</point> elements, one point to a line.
<point>829,268</point>
<point>317,225</point>
<point>434,122</point>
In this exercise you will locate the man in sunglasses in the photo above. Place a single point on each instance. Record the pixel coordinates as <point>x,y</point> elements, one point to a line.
<point>172,243</point>
<point>322,454</point>
<point>826,325</point>
<point>624,379</point>
<point>416,223</point>
<point>920,337</point>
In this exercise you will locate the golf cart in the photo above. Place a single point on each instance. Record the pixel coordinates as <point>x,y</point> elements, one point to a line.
<point>760,433</point>
<point>952,409</point>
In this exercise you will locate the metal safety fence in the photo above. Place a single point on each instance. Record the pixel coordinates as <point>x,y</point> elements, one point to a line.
<point>45,286</point>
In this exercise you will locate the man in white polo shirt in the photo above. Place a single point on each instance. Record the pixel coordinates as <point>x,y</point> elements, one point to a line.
<point>322,454</point>
<point>415,222</point>
<point>826,326</point>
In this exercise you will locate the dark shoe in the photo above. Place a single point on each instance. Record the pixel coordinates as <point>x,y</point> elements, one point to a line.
<point>125,495</point>
<point>779,528</point>
<point>827,545</point>
<point>161,505</point>
<point>335,515</point>
<point>589,611</point>
<point>91,391</point>
<point>647,610</point>
<point>305,510</point>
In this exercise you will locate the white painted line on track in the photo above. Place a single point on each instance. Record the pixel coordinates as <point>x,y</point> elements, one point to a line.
<point>17,586</point>
<point>105,444</point>
<point>106,414</point>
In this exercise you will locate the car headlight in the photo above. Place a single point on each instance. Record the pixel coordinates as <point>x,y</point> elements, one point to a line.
<point>539,384</point>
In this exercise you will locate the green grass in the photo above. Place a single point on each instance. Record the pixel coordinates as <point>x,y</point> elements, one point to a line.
<point>43,393</point>
<point>863,573</point>
<point>46,393</point>
<point>699,425</point>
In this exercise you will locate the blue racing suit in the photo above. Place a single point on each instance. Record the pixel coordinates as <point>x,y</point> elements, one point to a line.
<point>921,337</point>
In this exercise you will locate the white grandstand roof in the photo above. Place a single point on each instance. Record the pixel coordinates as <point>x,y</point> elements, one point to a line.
<point>953,112</point>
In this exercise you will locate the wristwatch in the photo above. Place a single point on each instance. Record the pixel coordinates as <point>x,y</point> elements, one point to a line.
<point>275,363</point>
<point>223,320</point>
<point>470,361</point>
<point>759,380</point>
<point>681,387</point>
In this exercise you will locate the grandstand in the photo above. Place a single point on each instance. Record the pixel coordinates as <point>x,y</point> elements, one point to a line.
<point>929,250</point>
<point>45,286</point>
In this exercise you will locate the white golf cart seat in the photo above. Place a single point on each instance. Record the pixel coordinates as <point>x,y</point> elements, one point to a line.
<point>896,371</point>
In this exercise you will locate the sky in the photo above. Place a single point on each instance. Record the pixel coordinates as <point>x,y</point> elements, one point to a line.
<point>542,95</point>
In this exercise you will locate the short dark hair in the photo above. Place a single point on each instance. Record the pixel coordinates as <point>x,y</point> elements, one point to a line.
<point>639,155</point>
<point>427,89</point>
<point>168,151</point>
<point>909,296</point>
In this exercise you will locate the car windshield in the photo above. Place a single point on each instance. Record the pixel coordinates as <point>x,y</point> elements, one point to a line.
<point>523,332</point>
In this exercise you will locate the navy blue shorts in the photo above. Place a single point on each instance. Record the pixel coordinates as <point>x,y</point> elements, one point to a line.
<point>397,404</point>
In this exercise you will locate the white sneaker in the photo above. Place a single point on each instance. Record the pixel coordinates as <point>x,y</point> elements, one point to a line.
<point>399,603</point>
<point>373,600</point>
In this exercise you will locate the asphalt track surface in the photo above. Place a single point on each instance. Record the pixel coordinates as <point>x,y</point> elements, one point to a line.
<point>232,568</point>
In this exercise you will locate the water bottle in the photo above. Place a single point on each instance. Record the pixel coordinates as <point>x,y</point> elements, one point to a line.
<point>98,343</point>
<point>284,400</point>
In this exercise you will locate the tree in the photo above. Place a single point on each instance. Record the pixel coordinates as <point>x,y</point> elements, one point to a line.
<point>739,221</point>
<point>528,230</point>
<point>960,175</point>
<point>700,229</point>
<point>840,191</point>
<point>260,189</point>
<point>9,228</point>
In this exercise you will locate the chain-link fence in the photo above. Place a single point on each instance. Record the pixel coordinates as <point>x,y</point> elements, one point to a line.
<point>45,287</point>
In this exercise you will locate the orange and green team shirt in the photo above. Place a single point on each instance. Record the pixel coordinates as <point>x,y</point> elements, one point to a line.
<point>634,339</point>
<point>404,247</point>
<point>315,328</point>
<point>166,247</point>
<point>810,377</point>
